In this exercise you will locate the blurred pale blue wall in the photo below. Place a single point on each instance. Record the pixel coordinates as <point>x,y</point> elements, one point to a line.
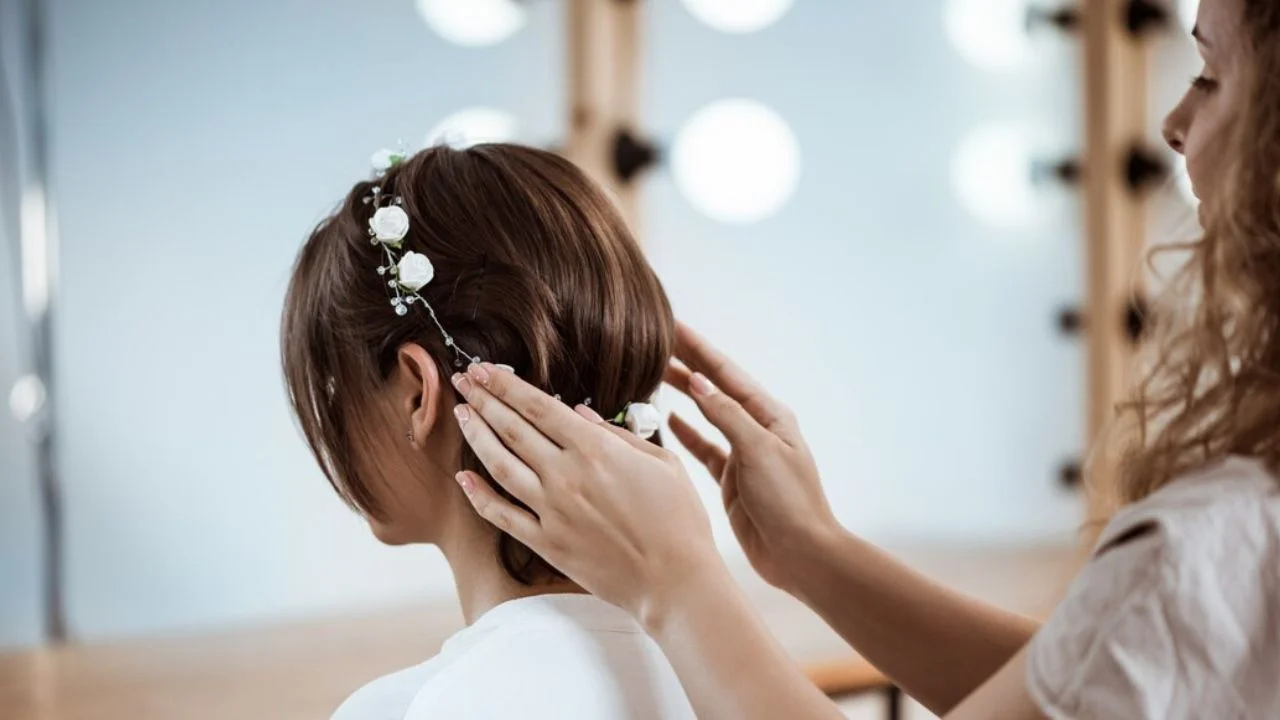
<point>21,617</point>
<point>195,145</point>
<point>20,548</point>
<point>917,344</point>
<point>196,142</point>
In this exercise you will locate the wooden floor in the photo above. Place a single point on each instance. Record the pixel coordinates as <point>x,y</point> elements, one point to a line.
<point>305,670</point>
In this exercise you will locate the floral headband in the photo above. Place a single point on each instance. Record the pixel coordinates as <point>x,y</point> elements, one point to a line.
<point>409,272</point>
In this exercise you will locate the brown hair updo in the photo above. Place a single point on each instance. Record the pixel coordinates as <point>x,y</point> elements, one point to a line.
<point>534,268</point>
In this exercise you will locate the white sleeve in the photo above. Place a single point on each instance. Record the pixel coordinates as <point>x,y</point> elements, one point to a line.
<point>1127,640</point>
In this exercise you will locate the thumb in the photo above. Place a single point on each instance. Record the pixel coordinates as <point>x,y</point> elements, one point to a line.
<point>724,412</point>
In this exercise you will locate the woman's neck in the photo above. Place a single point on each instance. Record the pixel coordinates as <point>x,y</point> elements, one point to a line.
<point>470,547</point>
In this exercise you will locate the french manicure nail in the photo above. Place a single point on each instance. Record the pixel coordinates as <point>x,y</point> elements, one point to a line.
<point>465,481</point>
<point>478,372</point>
<point>462,382</point>
<point>588,413</point>
<point>461,412</point>
<point>701,385</point>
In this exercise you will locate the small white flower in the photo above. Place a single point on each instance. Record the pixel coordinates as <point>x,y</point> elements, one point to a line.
<point>390,224</point>
<point>415,271</point>
<point>643,419</point>
<point>385,159</point>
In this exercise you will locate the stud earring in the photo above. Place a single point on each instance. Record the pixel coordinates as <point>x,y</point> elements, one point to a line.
<point>409,435</point>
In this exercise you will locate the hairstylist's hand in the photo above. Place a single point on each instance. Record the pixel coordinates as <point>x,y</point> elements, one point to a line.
<point>615,513</point>
<point>769,482</point>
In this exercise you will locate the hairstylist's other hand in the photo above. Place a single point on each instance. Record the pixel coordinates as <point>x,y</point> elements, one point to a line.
<point>768,479</point>
<point>615,513</point>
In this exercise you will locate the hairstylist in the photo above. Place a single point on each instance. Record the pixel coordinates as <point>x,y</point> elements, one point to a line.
<point>1177,614</point>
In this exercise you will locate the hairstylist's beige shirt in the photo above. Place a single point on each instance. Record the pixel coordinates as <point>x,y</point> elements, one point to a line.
<point>1178,613</point>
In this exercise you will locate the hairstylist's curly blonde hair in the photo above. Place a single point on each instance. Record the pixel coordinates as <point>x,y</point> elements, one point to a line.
<point>1211,383</point>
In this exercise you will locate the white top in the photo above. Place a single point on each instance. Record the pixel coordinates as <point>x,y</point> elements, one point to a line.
<point>567,657</point>
<point>1177,615</point>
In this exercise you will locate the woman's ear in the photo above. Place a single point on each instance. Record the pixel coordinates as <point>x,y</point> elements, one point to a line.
<point>419,385</point>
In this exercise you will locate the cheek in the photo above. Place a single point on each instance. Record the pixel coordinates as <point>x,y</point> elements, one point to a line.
<point>1205,147</point>
<point>1210,131</point>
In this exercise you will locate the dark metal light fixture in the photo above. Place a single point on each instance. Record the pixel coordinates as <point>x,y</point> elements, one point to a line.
<point>1065,18</point>
<point>1143,16</point>
<point>1144,169</point>
<point>632,155</point>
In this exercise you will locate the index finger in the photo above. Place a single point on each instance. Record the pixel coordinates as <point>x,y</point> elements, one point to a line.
<point>552,418</point>
<point>695,352</point>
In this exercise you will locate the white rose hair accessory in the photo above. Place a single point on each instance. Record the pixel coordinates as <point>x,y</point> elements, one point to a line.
<point>642,419</point>
<point>385,159</point>
<point>414,271</point>
<point>389,224</point>
<point>409,272</point>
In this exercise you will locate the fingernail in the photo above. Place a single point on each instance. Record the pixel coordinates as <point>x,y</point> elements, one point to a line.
<point>588,413</point>
<point>465,481</point>
<point>461,412</point>
<point>461,382</point>
<point>701,385</point>
<point>478,372</point>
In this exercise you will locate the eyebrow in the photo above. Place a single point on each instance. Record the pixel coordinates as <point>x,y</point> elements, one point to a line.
<point>1199,36</point>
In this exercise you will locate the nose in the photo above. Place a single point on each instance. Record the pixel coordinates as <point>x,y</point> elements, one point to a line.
<point>1175,131</point>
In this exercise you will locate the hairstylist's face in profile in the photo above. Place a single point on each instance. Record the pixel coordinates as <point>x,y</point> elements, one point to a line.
<point>1199,124</point>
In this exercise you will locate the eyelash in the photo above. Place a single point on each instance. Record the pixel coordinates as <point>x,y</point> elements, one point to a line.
<point>1203,83</point>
